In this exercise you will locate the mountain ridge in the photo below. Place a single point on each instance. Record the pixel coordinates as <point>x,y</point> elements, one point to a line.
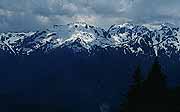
<point>146,39</point>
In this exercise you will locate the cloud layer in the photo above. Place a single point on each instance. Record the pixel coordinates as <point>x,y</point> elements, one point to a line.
<point>26,15</point>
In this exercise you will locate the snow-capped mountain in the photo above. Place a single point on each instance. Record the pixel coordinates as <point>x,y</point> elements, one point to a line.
<point>147,39</point>
<point>153,39</point>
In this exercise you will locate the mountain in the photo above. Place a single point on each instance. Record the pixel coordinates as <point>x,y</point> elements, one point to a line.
<point>83,67</point>
<point>146,39</point>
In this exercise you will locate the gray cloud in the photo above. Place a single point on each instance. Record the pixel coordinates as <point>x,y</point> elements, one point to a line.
<point>26,15</point>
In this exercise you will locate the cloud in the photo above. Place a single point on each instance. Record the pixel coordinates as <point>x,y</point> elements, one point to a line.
<point>154,10</point>
<point>26,15</point>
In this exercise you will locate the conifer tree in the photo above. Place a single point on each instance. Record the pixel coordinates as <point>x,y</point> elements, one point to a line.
<point>155,92</point>
<point>137,78</point>
<point>132,103</point>
<point>156,80</point>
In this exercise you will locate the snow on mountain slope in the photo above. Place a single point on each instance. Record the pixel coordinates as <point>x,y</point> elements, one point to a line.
<point>145,39</point>
<point>87,35</point>
<point>12,41</point>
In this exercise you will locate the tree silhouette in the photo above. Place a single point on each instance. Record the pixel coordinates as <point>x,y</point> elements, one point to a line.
<point>156,79</point>
<point>150,95</point>
<point>174,101</point>
<point>154,91</point>
<point>137,78</point>
<point>134,93</point>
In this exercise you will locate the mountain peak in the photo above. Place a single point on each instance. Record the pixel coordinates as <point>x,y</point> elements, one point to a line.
<point>146,39</point>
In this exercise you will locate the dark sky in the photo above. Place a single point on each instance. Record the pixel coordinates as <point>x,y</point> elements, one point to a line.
<point>25,15</point>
